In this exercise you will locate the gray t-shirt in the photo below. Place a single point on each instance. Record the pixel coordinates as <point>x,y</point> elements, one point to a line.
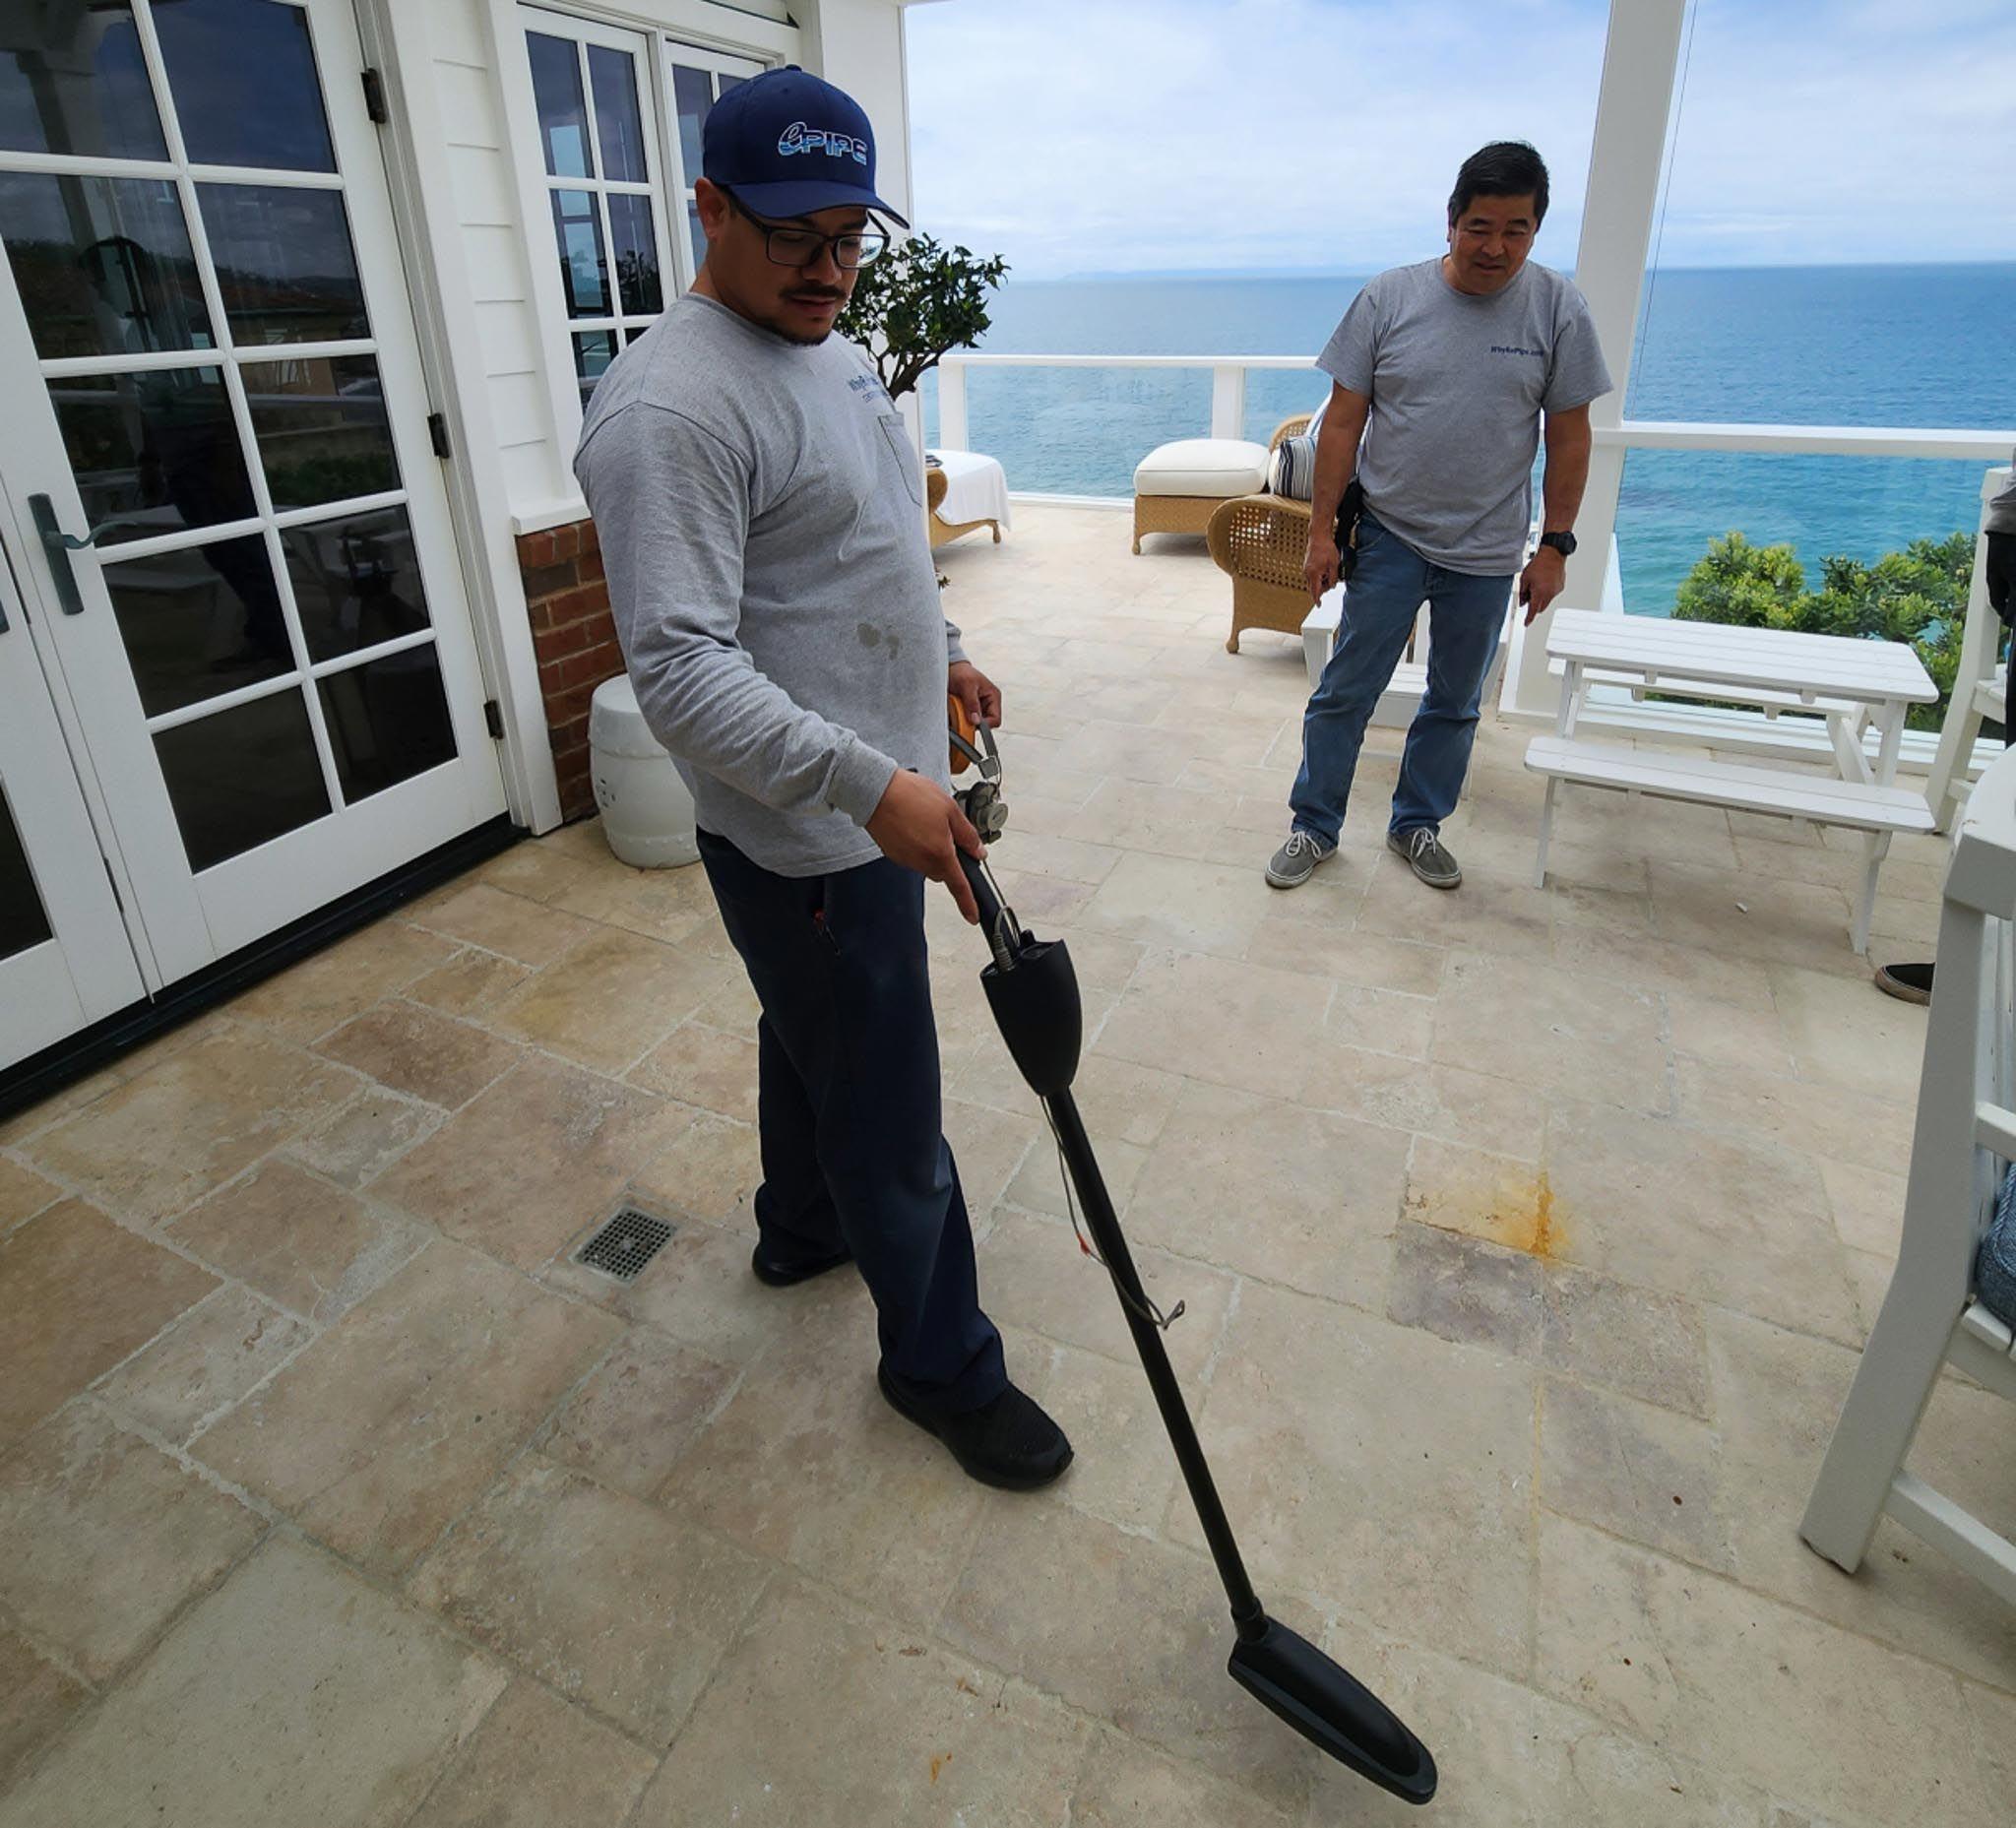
<point>1458,385</point>
<point>761,516</point>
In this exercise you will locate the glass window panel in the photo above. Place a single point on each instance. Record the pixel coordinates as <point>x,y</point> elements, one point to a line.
<point>618,127</point>
<point>72,80</point>
<point>200,621</point>
<point>593,352</point>
<point>153,452</point>
<point>356,580</point>
<point>692,97</point>
<point>584,274</point>
<point>242,776</point>
<point>103,265</point>
<point>322,429</point>
<point>636,247</point>
<point>285,263</point>
<point>699,235</point>
<point>388,721</point>
<point>557,91</point>
<point>242,75</point>
<point>23,921</point>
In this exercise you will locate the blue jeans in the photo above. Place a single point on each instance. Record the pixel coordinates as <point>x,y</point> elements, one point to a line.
<point>1466,614</point>
<point>847,1111</point>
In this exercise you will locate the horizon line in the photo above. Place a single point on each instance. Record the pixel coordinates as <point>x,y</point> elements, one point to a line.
<point>1359,272</point>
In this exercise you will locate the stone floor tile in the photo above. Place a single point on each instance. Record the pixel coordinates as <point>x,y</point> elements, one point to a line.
<point>1552,1031</point>
<point>1653,966</point>
<point>1479,1109</point>
<point>886,1728</point>
<point>608,1000</point>
<point>1824,1121</point>
<point>1334,948</point>
<point>160,1141</point>
<point>1378,1462</point>
<point>1736,1034</point>
<point>1071,859</point>
<point>1462,1289</point>
<point>77,1294</point>
<point>1038,1185</point>
<point>542,1153</point>
<point>1131,1631</point>
<point>710,1171</point>
<point>1163,820</point>
<point>1040,900</point>
<point>472,984</point>
<point>307,1245</point>
<point>38,1701</point>
<point>539,868</point>
<point>402,1412</point>
<point>1869,1206</point>
<point>1848,1034</point>
<point>23,1194</point>
<point>1503,917</point>
<point>1099,961</point>
<point>989,1147</point>
<point>639,1412</point>
<point>1123,1469</point>
<point>511,925</point>
<point>1125,1784</point>
<point>108,1538</point>
<point>600,1596</point>
<point>419,1051</point>
<point>1172,902</point>
<point>1497,1198</point>
<point>46,1112</point>
<point>295,1694</point>
<point>1115,1098</point>
<point>1641,1473</point>
<point>1810,1712</point>
<point>1333,1192</point>
<point>1757,916</point>
<point>204,1363</point>
<point>705,1067</point>
<point>1383,1020</point>
<point>362,1140</point>
<point>536,1762</point>
<point>1661,830</point>
<point>310,998</point>
<point>660,904</point>
<point>1652,1347</point>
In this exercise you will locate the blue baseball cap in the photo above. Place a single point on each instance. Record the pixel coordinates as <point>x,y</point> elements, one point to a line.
<point>788,144</point>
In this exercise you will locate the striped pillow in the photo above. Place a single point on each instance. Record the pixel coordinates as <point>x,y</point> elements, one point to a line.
<point>1292,470</point>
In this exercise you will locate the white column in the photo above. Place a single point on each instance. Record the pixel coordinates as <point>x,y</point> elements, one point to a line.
<point>1228,401</point>
<point>951,404</point>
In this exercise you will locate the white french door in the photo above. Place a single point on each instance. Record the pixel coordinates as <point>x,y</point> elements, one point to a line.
<point>695,79</point>
<point>217,469</point>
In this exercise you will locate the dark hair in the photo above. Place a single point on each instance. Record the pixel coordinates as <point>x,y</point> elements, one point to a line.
<point>1504,168</point>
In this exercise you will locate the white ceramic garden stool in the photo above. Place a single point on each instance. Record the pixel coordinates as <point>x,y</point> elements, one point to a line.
<point>647,811</point>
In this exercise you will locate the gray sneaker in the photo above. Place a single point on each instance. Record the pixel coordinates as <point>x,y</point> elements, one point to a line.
<point>1295,861</point>
<point>1425,856</point>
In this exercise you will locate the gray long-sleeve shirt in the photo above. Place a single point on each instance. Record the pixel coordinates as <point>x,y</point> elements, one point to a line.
<point>761,517</point>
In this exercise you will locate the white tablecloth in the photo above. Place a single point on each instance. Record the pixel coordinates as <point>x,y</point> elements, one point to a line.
<point>976,488</point>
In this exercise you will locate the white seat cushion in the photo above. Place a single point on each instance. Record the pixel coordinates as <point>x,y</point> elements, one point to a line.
<point>1210,467</point>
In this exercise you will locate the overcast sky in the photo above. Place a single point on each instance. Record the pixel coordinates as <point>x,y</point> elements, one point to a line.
<point>1147,135</point>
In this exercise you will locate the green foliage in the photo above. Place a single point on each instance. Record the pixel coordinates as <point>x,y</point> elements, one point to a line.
<point>1917,594</point>
<point>916,303</point>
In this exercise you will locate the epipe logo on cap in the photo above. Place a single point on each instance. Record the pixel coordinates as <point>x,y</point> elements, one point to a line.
<point>799,137</point>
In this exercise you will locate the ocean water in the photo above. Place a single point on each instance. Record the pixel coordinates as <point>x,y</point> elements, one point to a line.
<point>1919,346</point>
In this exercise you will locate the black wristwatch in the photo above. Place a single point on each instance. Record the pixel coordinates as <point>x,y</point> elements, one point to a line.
<point>1563,544</point>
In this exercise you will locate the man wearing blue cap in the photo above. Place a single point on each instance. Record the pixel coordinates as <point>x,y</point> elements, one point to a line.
<point>761,516</point>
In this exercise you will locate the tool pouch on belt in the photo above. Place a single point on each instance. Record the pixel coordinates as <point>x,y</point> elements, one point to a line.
<point>1348,513</point>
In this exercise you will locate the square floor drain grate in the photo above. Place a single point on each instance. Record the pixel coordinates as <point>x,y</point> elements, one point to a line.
<point>623,1246</point>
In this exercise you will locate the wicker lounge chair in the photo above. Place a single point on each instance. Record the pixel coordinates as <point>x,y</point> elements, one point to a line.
<point>1259,541</point>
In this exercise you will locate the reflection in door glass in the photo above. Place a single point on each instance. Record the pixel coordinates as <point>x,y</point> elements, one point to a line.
<point>618,127</point>
<point>24,922</point>
<point>103,265</point>
<point>636,251</point>
<point>699,235</point>
<point>242,75</point>
<point>557,91</point>
<point>72,80</point>
<point>242,776</point>
<point>388,721</point>
<point>583,275</point>
<point>593,352</point>
<point>693,96</point>
<point>285,263</point>
<point>153,451</point>
<point>200,621</point>
<point>356,580</point>
<point>322,429</point>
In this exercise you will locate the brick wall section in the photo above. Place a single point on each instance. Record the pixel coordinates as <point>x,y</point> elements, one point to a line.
<point>567,602</point>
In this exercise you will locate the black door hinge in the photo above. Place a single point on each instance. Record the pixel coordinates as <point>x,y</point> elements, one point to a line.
<point>374,98</point>
<point>494,719</point>
<point>438,434</point>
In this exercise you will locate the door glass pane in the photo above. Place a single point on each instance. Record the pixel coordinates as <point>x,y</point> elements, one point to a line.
<point>105,265</point>
<point>72,80</point>
<point>242,75</point>
<point>699,235</point>
<point>635,248</point>
<point>285,263</point>
<point>556,91</point>
<point>388,721</point>
<point>242,776</point>
<point>584,276</point>
<point>356,580</point>
<point>153,452</point>
<point>24,922</point>
<point>593,352</point>
<point>692,97</point>
<point>200,621</point>
<point>322,429</point>
<point>618,127</point>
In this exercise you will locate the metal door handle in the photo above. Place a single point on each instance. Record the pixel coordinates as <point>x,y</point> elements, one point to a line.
<point>59,546</point>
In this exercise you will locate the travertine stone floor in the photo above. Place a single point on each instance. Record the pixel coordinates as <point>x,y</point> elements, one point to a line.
<point>1526,1241</point>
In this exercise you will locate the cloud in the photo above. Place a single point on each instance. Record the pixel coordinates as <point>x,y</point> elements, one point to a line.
<point>1131,135</point>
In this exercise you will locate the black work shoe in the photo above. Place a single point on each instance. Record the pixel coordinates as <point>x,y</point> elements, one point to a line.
<point>1425,856</point>
<point>1008,1442</point>
<point>780,1278</point>
<point>1910,984</point>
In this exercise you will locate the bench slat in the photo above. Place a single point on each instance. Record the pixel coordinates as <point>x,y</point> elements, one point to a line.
<point>1775,658</point>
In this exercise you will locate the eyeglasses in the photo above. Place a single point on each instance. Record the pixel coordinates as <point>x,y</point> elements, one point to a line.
<point>802,247</point>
